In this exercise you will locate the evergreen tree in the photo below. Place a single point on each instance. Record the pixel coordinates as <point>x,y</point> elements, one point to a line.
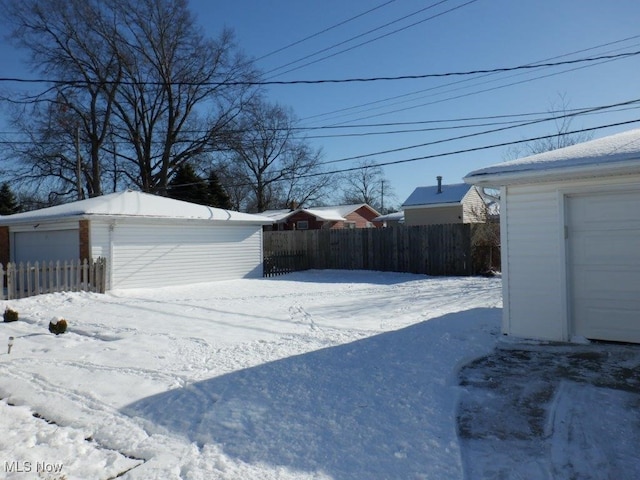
<point>8,202</point>
<point>218,197</point>
<point>187,185</point>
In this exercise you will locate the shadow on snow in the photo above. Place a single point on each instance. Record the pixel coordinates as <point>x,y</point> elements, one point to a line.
<point>379,407</point>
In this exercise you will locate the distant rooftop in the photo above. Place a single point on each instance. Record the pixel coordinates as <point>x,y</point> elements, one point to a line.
<point>453,193</point>
<point>336,213</point>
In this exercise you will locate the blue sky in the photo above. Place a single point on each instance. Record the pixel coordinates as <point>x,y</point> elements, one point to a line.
<point>480,34</point>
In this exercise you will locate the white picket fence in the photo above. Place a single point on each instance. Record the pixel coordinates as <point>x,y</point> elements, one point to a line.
<point>26,280</point>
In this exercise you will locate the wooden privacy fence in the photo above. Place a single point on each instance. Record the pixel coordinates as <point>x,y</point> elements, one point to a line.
<point>426,249</point>
<point>26,280</point>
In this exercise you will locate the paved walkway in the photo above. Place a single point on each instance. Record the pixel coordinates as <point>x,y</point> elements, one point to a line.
<point>552,411</point>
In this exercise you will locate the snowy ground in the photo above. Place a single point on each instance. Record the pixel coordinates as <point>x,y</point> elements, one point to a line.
<point>313,375</point>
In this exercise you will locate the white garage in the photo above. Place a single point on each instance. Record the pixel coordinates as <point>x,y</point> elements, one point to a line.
<point>147,240</point>
<point>570,236</point>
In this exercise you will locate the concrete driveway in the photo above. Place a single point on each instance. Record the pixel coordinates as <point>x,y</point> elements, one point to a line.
<point>539,411</point>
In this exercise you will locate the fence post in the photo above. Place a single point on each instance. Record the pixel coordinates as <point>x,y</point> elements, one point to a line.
<point>85,275</point>
<point>36,277</point>
<point>11,281</point>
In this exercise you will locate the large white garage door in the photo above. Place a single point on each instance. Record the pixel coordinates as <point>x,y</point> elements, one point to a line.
<point>46,245</point>
<point>165,255</point>
<point>604,265</point>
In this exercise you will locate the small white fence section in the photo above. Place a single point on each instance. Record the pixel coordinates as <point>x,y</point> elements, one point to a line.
<point>26,280</point>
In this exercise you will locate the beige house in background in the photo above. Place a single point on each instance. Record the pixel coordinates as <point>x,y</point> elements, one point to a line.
<point>442,204</point>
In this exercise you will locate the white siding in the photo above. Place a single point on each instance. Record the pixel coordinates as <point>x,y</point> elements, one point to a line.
<point>99,242</point>
<point>154,255</point>
<point>534,254</point>
<point>473,207</point>
<point>533,262</point>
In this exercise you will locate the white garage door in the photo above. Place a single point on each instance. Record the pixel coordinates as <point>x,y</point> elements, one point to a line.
<point>604,265</point>
<point>46,245</point>
<point>165,255</point>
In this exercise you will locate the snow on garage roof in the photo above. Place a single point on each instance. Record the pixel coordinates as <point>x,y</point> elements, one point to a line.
<point>618,153</point>
<point>135,204</point>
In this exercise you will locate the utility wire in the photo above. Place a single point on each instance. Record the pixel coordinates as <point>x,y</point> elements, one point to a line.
<point>316,82</point>
<point>439,129</point>
<point>468,150</point>
<point>367,41</point>
<point>566,114</point>
<point>344,22</point>
<point>491,89</point>
<point>485,132</point>
<point>437,155</point>
<point>394,124</point>
<point>472,79</point>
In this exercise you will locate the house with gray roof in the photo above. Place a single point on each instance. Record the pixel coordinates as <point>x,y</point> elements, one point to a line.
<point>444,204</point>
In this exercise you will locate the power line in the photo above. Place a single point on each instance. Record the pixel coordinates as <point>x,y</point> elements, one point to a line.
<point>486,132</point>
<point>324,81</point>
<point>359,36</point>
<point>445,154</point>
<point>298,42</point>
<point>469,150</point>
<point>394,124</point>
<point>439,129</point>
<point>498,87</point>
<point>472,79</point>
<point>566,113</point>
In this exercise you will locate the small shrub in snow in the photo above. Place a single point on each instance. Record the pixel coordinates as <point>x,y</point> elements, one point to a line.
<point>58,325</point>
<point>10,315</point>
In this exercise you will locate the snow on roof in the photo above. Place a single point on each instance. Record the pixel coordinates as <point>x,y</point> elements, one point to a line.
<point>390,217</point>
<point>453,193</point>
<point>344,210</point>
<point>607,153</point>
<point>335,213</point>
<point>324,213</point>
<point>135,204</point>
<point>276,215</point>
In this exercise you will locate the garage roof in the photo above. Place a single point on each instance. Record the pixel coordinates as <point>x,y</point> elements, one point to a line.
<point>615,154</point>
<point>135,204</point>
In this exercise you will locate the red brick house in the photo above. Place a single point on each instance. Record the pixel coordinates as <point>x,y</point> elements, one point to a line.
<point>336,217</point>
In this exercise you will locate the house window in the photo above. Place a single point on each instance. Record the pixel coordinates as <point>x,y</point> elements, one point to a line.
<point>349,224</point>
<point>302,224</point>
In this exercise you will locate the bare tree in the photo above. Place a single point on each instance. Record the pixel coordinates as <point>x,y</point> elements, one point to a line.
<point>68,123</point>
<point>267,158</point>
<point>561,138</point>
<point>138,88</point>
<point>180,90</point>
<point>367,185</point>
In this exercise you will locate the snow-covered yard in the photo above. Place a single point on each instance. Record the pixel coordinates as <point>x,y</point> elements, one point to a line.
<point>318,375</point>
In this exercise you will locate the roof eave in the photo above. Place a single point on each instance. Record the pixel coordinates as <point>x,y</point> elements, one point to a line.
<point>496,179</point>
<point>5,221</point>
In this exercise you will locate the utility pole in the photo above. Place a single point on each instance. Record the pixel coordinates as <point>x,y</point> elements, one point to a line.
<point>382,197</point>
<point>78,164</point>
